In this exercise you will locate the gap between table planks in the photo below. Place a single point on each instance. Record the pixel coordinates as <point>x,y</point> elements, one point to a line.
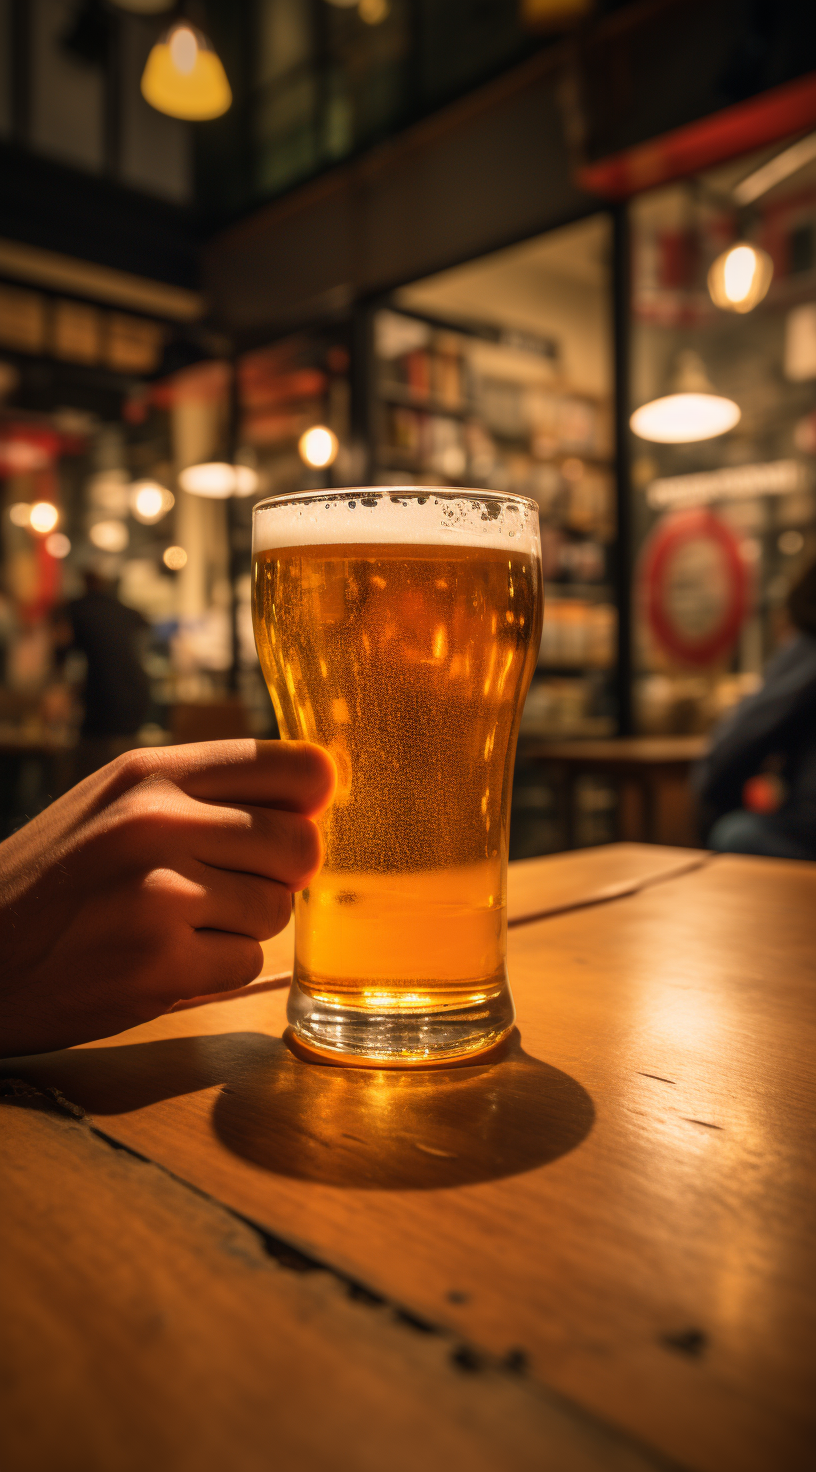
<point>659,1274</point>
<point>145,1326</point>
<point>540,887</point>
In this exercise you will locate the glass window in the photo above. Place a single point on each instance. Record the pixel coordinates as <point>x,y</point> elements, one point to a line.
<point>499,374</point>
<point>723,524</point>
<point>67,94</point>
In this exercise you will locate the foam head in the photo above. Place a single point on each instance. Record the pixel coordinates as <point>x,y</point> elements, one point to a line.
<point>409,517</point>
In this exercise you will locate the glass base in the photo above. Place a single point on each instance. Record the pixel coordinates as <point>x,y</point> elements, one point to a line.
<point>400,1038</point>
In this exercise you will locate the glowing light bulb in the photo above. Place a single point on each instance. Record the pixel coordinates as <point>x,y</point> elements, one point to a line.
<point>739,273</point>
<point>175,558</point>
<point>318,446</point>
<point>109,536</point>
<point>150,501</point>
<point>740,278</point>
<point>43,517</point>
<point>183,49</point>
<point>57,545</point>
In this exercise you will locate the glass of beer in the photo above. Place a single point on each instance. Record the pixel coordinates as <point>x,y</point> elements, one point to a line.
<point>399,629</point>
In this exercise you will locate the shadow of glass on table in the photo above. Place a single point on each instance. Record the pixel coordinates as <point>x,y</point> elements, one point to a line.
<point>361,1128</point>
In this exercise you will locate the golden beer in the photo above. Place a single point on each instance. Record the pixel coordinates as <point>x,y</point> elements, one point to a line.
<point>400,631</point>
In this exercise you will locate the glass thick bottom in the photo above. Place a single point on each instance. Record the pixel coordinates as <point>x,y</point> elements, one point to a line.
<point>402,1036</point>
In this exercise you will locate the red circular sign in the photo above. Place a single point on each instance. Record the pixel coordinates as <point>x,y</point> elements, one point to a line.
<point>696,586</point>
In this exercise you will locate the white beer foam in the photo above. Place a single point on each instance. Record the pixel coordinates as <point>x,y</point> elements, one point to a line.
<point>369,516</point>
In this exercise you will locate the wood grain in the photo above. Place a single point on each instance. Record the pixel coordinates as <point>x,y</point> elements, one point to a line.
<point>145,1327</point>
<point>655,1263</point>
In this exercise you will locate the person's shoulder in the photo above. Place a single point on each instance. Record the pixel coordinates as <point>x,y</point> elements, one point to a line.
<point>802,650</point>
<point>796,660</point>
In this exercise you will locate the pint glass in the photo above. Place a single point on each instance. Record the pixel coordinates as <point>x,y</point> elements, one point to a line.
<point>399,629</point>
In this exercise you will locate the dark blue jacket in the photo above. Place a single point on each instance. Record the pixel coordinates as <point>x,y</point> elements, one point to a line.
<point>780,720</point>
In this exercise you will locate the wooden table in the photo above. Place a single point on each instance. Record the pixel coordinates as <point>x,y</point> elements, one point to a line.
<point>651,774</point>
<point>596,1253</point>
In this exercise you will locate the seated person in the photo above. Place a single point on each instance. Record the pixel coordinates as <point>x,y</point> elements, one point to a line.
<point>778,722</point>
<point>153,880</point>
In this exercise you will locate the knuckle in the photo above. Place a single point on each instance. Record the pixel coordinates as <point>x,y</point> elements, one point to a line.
<point>144,812</point>
<point>278,910</point>
<point>241,963</point>
<point>266,907</point>
<point>132,767</point>
<point>306,847</point>
<point>316,770</point>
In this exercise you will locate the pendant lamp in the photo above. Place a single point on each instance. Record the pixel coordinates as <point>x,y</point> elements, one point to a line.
<point>692,412</point>
<point>184,77</point>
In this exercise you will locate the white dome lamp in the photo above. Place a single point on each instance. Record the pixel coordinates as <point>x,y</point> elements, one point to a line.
<point>217,480</point>
<point>691,413</point>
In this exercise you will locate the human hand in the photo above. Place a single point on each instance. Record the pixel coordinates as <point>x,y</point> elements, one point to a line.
<point>153,880</point>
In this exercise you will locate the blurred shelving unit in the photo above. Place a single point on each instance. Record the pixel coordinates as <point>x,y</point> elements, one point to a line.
<point>480,406</point>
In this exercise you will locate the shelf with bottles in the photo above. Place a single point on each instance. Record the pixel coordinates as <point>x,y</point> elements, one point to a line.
<point>579,633</point>
<point>478,407</point>
<point>567,706</point>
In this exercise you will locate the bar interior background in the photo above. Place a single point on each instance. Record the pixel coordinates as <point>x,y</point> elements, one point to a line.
<point>469,241</point>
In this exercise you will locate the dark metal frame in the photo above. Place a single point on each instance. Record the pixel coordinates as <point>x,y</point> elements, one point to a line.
<point>624,551</point>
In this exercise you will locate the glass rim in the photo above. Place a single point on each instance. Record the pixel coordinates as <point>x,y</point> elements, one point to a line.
<point>418,493</point>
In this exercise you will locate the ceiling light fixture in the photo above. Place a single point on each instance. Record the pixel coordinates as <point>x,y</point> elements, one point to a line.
<point>693,412</point>
<point>43,517</point>
<point>739,278</point>
<point>184,77</point>
<point>109,536</point>
<point>150,501</point>
<point>218,480</point>
<point>318,447</point>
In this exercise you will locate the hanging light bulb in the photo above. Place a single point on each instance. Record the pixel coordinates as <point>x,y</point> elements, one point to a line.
<point>43,517</point>
<point>739,278</point>
<point>150,501</point>
<point>693,412</point>
<point>184,77</point>
<point>318,447</point>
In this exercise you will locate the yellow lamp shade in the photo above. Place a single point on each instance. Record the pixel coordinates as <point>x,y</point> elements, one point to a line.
<point>184,77</point>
